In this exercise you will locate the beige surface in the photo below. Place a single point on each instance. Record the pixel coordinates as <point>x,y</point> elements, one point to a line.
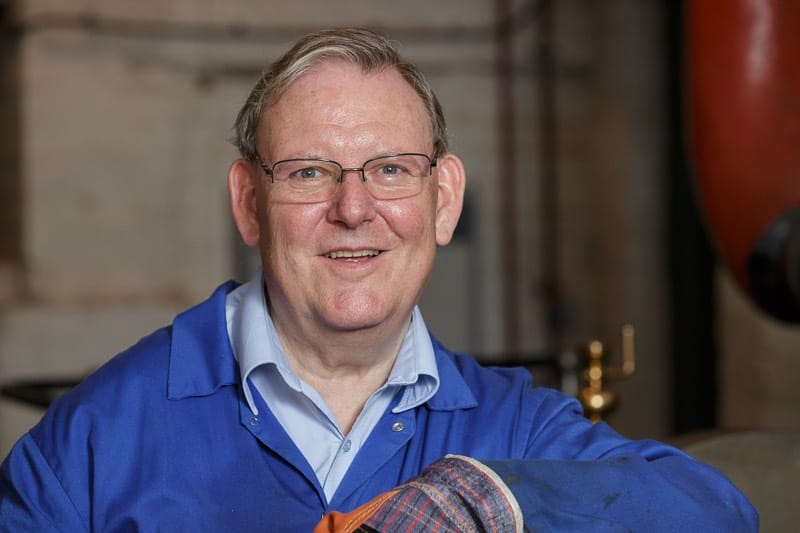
<point>765,465</point>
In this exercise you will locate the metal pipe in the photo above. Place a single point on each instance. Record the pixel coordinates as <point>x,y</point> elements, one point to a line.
<point>549,193</point>
<point>507,178</point>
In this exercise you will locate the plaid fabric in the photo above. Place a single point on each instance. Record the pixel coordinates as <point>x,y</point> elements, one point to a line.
<point>453,494</point>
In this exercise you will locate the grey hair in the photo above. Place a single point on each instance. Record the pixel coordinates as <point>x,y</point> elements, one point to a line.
<point>369,50</point>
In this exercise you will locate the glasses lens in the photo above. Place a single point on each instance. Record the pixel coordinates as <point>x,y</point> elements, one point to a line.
<point>305,180</point>
<point>396,176</point>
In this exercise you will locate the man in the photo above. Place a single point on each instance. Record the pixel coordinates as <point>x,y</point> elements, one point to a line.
<point>315,389</point>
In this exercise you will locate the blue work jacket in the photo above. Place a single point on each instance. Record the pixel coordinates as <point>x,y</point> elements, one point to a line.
<point>161,439</point>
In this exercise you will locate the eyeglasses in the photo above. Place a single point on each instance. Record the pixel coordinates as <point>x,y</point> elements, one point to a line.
<point>389,177</point>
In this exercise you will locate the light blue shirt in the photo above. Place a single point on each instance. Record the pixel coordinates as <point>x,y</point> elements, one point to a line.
<point>298,407</point>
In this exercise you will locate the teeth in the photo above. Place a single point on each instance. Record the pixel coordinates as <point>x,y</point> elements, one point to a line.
<point>358,253</point>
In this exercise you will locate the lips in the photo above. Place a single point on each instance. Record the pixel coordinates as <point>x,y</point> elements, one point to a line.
<point>350,254</point>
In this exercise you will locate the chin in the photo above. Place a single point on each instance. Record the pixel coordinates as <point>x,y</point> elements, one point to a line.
<point>358,314</point>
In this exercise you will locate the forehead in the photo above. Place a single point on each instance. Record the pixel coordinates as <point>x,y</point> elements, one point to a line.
<point>336,105</point>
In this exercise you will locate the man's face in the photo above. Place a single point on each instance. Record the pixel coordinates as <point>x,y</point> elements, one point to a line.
<point>351,262</point>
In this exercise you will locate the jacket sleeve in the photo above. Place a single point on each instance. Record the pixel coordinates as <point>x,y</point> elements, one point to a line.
<point>626,493</point>
<point>31,496</point>
<point>579,476</point>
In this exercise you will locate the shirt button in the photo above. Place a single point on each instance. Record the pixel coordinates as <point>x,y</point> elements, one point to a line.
<point>347,445</point>
<point>253,420</point>
<point>398,426</point>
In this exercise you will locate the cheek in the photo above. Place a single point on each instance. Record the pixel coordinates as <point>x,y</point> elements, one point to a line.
<point>287,228</point>
<point>413,220</point>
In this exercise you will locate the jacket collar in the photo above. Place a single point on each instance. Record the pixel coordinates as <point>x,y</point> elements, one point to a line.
<point>453,393</point>
<point>202,361</point>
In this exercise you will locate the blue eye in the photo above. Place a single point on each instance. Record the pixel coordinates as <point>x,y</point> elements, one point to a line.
<point>393,170</point>
<point>307,173</point>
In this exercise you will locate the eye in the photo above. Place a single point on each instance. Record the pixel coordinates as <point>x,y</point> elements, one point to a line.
<point>306,173</point>
<point>301,170</point>
<point>392,169</point>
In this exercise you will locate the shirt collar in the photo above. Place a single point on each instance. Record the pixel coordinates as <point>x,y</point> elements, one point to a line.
<point>202,362</point>
<point>253,337</point>
<point>255,342</point>
<point>415,365</point>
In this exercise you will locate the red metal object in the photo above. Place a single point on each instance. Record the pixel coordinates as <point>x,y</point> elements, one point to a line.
<point>744,114</point>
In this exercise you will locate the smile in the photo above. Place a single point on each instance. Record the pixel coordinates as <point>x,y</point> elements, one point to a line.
<point>345,254</point>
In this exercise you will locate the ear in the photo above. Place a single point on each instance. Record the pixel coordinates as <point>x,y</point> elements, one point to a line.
<point>450,198</point>
<point>243,187</point>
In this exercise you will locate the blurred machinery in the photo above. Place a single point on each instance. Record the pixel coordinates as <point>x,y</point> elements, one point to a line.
<point>744,112</point>
<point>595,396</point>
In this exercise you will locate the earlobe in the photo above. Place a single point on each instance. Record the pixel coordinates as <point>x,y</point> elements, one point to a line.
<point>450,199</point>
<point>243,190</point>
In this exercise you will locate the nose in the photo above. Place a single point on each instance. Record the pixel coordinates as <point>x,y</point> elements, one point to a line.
<point>352,204</point>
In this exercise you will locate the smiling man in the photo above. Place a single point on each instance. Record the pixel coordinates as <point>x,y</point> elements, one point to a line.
<point>314,395</point>
<point>346,245</point>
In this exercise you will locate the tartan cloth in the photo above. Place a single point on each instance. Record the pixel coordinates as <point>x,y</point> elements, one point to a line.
<point>455,493</point>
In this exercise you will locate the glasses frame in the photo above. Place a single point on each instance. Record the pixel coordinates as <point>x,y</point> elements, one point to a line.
<point>432,160</point>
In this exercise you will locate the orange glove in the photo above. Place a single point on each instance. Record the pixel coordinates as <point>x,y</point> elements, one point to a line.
<point>336,522</point>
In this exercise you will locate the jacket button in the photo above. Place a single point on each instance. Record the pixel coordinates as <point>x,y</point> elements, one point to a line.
<point>398,426</point>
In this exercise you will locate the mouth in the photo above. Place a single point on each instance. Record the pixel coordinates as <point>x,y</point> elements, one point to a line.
<point>351,254</point>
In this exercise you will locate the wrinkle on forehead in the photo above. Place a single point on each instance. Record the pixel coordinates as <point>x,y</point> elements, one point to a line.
<point>337,110</point>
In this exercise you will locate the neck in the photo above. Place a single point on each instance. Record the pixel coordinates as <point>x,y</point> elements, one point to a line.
<point>358,362</point>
